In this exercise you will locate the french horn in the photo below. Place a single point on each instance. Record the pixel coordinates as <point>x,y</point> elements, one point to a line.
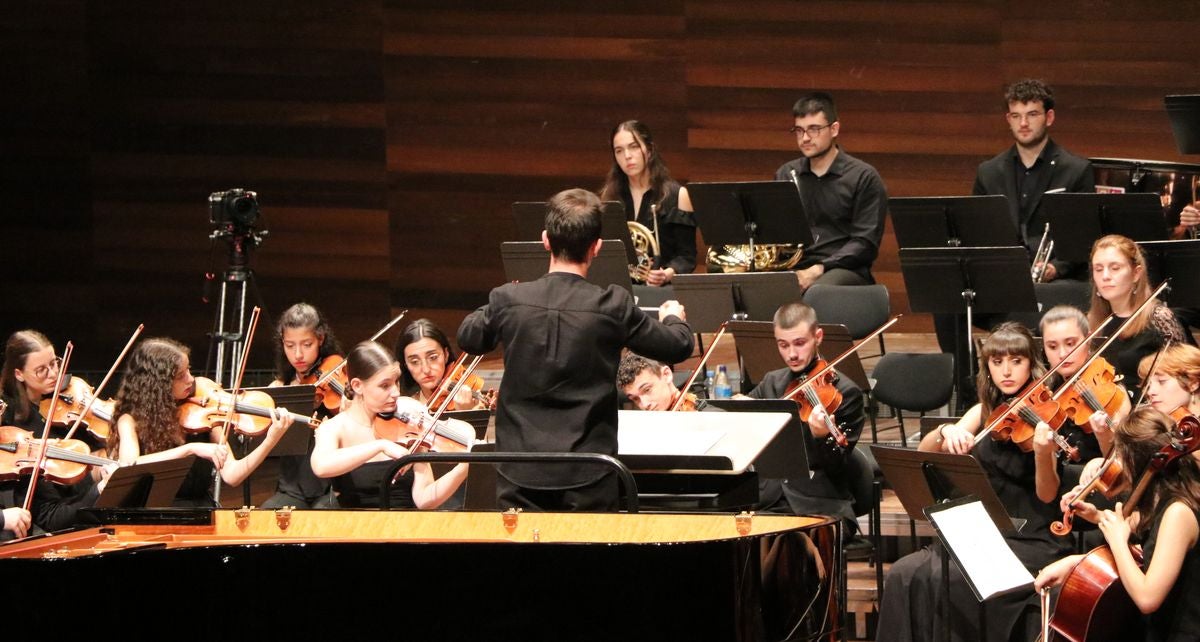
<point>768,257</point>
<point>646,246</point>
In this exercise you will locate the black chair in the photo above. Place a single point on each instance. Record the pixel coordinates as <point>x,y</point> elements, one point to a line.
<point>911,381</point>
<point>861,308</point>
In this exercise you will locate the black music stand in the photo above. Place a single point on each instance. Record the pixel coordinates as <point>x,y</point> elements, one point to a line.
<point>152,485</point>
<point>712,299</point>
<point>750,213</point>
<point>1184,112</point>
<point>529,217</point>
<point>529,260</point>
<point>786,456</point>
<point>953,221</point>
<point>1178,261</point>
<point>1091,216</point>
<point>966,280</point>
<point>923,480</point>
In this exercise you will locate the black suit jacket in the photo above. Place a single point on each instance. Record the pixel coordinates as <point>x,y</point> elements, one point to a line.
<point>1068,173</point>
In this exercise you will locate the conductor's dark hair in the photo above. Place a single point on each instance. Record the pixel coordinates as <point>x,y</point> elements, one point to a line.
<point>573,224</point>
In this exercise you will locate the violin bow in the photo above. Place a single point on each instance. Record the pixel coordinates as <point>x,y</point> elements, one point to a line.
<point>1150,373</point>
<point>96,393</point>
<point>699,368</point>
<point>441,409</point>
<point>233,392</point>
<point>41,458</point>
<point>334,370</point>
<point>842,357</point>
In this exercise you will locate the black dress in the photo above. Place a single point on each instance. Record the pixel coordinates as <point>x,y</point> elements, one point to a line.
<point>676,228</point>
<point>359,488</point>
<point>912,607</point>
<point>1178,618</point>
<point>1125,354</point>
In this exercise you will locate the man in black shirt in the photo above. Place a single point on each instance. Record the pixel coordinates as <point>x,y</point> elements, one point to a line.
<point>798,337</point>
<point>562,339</point>
<point>650,385</point>
<point>844,199</point>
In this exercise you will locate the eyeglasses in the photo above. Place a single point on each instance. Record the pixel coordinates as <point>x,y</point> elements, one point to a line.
<point>812,130</point>
<point>41,372</point>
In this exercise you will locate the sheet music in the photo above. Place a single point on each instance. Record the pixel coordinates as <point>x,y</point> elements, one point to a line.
<point>670,441</point>
<point>985,558</point>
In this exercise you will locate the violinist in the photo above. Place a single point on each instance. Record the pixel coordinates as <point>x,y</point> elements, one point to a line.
<point>650,385</point>
<point>912,607</point>
<point>1166,585</point>
<point>798,338</point>
<point>157,381</point>
<point>1121,284</point>
<point>427,353</point>
<point>357,447</point>
<point>641,181</point>
<point>303,342</point>
<point>30,370</point>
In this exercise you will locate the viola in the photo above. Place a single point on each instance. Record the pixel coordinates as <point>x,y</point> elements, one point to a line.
<point>473,382</point>
<point>1106,481</point>
<point>332,389</point>
<point>1018,421</point>
<point>406,427</point>
<point>67,460</point>
<point>688,404</point>
<point>819,391</point>
<point>72,401</point>
<point>209,406</point>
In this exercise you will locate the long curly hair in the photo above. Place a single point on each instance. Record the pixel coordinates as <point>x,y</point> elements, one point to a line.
<point>302,316</point>
<point>145,394</point>
<point>1007,339</point>
<point>414,332</point>
<point>616,184</point>
<point>19,346</point>
<point>1135,441</point>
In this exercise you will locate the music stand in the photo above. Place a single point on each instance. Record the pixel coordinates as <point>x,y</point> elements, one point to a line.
<point>922,480</point>
<point>785,456</point>
<point>528,261</point>
<point>1178,261</point>
<point>750,213</point>
<point>957,280</point>
<point>530,220</point>
<point>712,299</point>
<point>1184,112</point>
<point>152,485</point>
<point>1091,216</point>
<point>953,221</point>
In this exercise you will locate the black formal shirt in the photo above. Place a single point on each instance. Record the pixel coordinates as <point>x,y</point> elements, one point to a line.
<point>827,491</point>
<point>562,341</point>
<point>676,228</point>
<point>845,209</point>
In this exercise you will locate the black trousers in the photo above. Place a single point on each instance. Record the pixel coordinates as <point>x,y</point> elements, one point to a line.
<point>602,495</point>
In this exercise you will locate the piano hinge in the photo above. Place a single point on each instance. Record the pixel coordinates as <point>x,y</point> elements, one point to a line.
<point>744,521</point>
<point>242,516</point>
<point>283,517</point>
<point>510,519</point>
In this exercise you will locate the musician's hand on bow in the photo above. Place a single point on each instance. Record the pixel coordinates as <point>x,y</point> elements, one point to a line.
<point>1115,527</point>
<point>1056,572</point>
<point>956,440</point>
<point>809,275</point>
<point>393,449</point>
<point>660,277</point>
<point>216,453</point>
<point>17,520</point>
<point>671,308</point>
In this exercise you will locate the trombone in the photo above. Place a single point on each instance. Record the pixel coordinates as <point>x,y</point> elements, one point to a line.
<point>1042,257</point>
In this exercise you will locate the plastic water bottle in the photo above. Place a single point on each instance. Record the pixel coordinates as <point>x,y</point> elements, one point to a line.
<point>708,384</point>
<point>721,387</point>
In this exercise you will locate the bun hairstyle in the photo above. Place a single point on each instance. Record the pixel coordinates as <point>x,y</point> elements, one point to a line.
<point>366,359</point>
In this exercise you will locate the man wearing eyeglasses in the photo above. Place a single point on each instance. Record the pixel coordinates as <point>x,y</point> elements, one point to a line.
<point>844,199</point>
<point>1034,166</point>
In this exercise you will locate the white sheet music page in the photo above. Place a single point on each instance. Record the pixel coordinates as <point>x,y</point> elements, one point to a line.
<point>984,556</point>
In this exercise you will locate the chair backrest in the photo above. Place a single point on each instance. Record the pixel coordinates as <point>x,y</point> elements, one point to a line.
<point>861,308</point>
<point>860,476</point>
<point>911,381</point>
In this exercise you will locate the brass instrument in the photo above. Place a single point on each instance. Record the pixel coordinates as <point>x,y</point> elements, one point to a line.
<point>645,243</point>
<point>1042,256</point>
<point>768,257</point>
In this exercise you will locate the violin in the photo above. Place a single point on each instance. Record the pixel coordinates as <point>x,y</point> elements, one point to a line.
<point>1016,422</point>
<point>1106,481</point>
<point>330,390</point>
<point>473,382</point>
<point>209,405</point>
<point>418,431</point>
<point>67,460</point>
<point>1094,390</point>
<point>688,404</point>
<point>821,391</point>
<point>73,399</point>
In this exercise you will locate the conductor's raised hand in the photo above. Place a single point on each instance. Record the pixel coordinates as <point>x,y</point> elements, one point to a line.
<point>671,308</point>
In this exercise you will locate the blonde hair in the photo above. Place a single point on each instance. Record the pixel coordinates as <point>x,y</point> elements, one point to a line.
<point>1180,361</point>
<point>1100,307</point>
